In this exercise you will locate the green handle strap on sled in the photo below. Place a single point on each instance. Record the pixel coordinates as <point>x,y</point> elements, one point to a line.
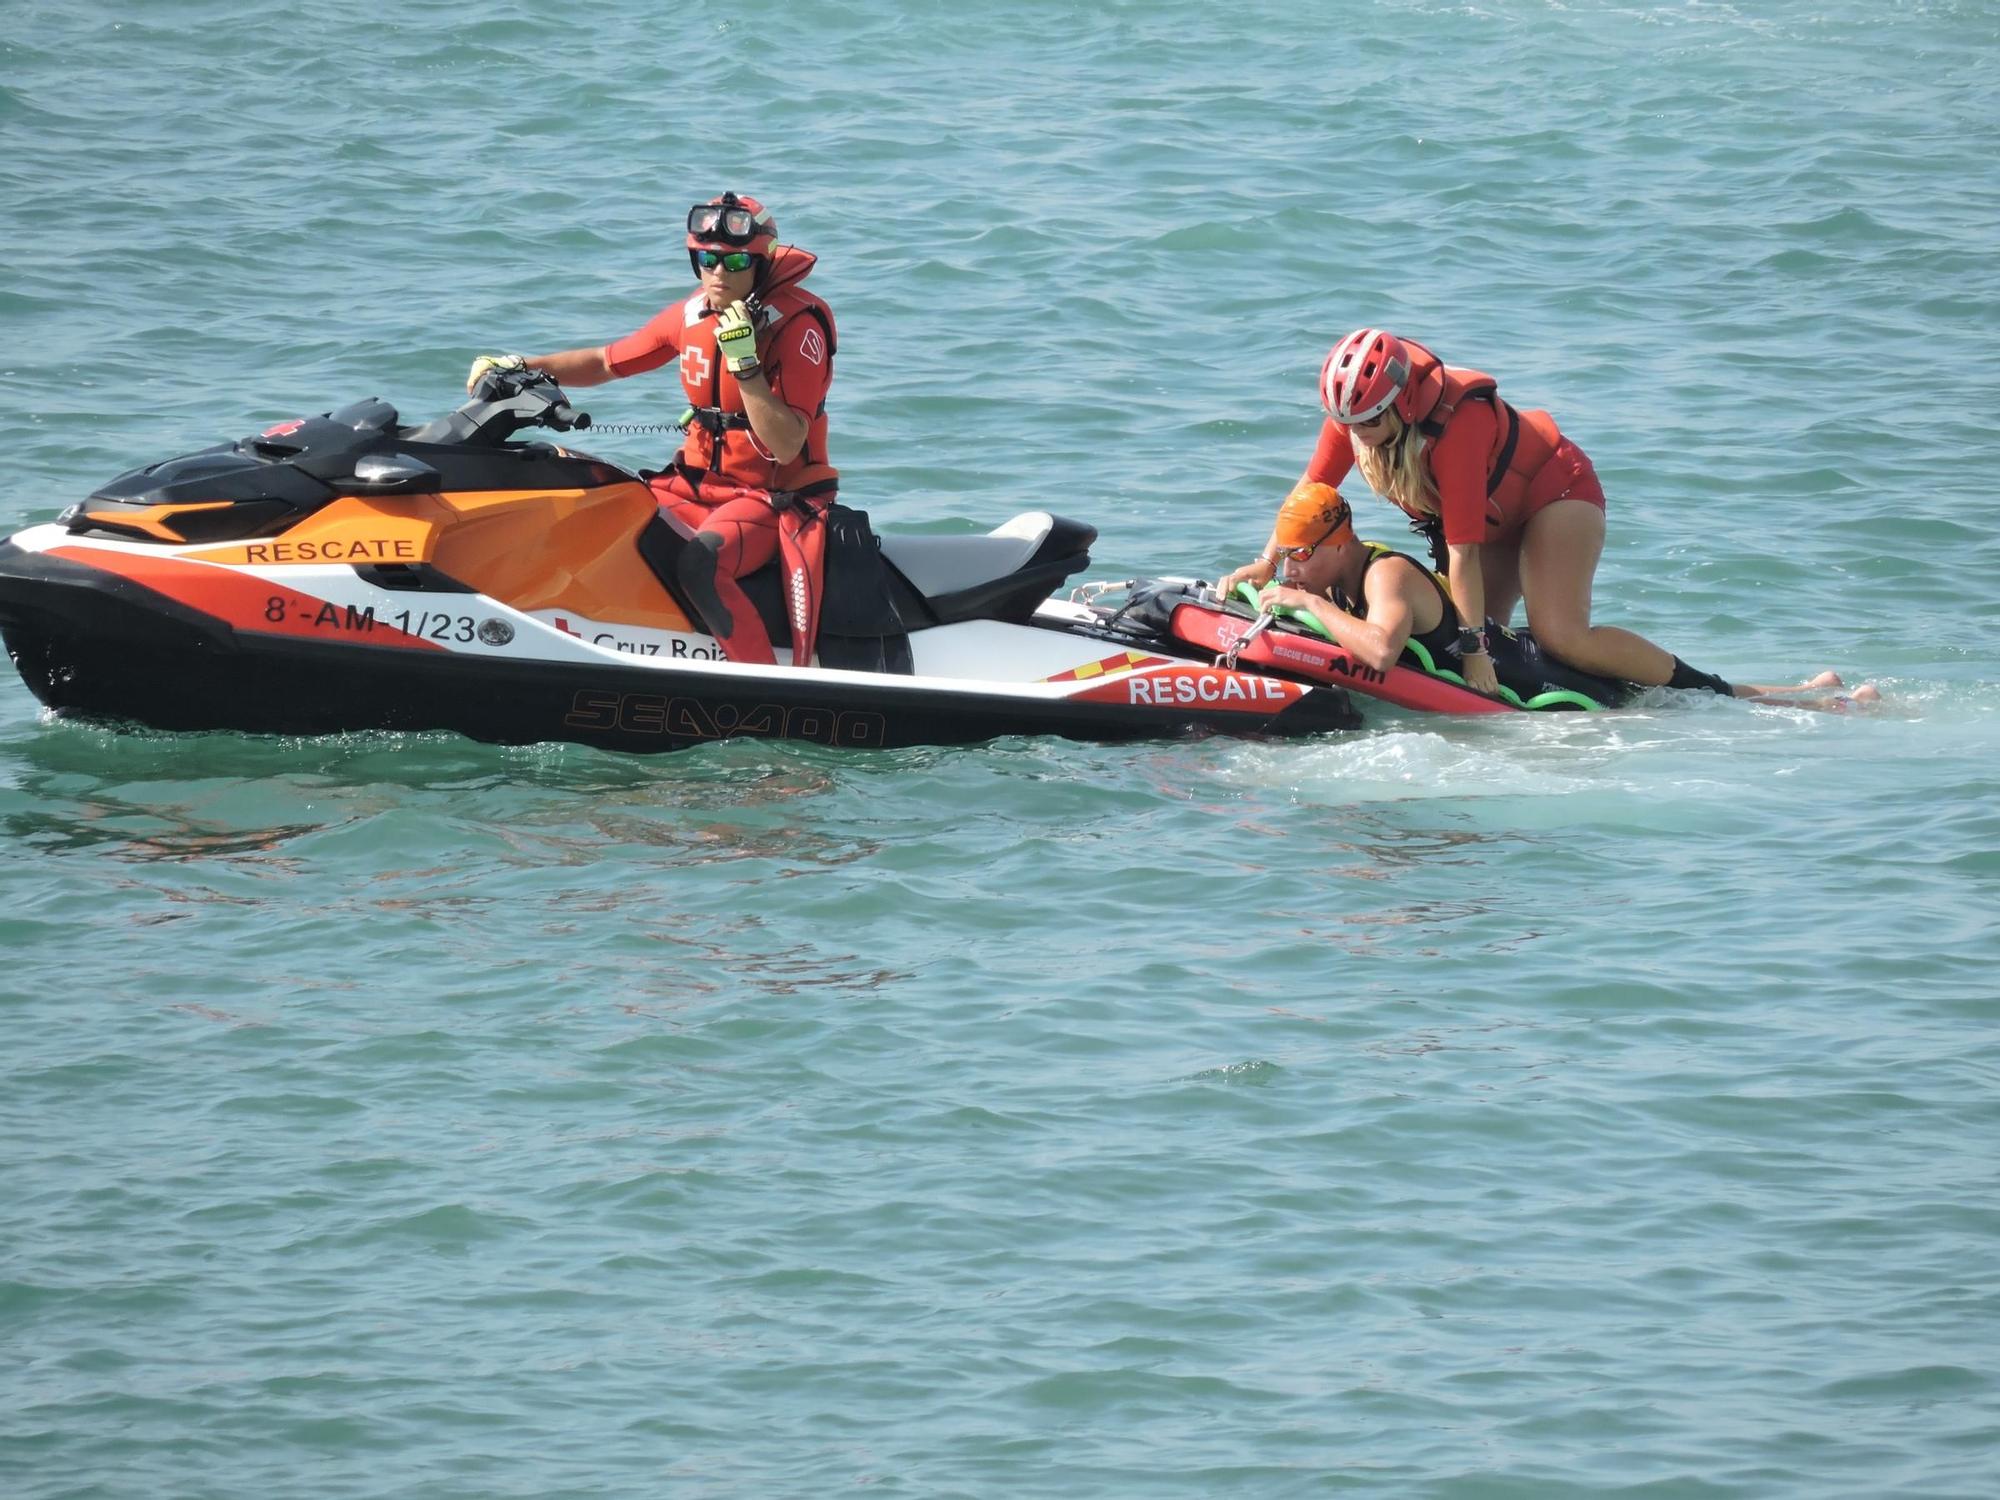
<point>1305,619</point>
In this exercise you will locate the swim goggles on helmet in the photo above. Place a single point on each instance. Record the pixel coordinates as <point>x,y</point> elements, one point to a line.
<point>727,221</point>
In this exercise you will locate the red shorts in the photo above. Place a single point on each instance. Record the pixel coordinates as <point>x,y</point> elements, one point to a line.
<point>1568,475</point>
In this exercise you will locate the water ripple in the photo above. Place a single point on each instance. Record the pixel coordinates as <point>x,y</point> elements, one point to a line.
<point>1558,1106</point>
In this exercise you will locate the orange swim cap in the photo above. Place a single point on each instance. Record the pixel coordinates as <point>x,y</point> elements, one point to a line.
<point>1312,514</point>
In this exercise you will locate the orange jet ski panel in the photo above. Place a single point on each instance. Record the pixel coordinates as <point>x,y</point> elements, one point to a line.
<point>574,550</point>
<point>356,530</point>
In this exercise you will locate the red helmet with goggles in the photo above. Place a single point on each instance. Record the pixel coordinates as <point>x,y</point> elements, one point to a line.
<point>731,223</point>
<point>1365,372</point>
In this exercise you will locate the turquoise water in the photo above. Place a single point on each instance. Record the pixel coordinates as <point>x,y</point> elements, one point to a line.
<point>1548,1107</point>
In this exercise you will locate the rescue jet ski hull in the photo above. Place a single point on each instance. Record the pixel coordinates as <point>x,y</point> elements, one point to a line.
<point>94,641</point>
<point>343,573</point>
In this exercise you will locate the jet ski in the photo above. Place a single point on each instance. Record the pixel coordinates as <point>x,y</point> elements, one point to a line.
<point>1185,614</point>
<point>346,572</point>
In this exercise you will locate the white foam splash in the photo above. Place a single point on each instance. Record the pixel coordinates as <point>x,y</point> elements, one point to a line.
<point>1660,758</point>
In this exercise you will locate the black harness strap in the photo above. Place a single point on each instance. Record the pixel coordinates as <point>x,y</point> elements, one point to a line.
<point>1432,427</point>
<point>1506,457</point>
<point>1431,529</point>
<point>716,421</point>
<point>785,499</point>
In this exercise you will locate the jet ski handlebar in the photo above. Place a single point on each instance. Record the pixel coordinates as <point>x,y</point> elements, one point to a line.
<point>566,418</point>
<point>504,402</point>
<point>534,397</point>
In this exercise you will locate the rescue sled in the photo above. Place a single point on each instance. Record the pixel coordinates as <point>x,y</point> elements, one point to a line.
<point>1185,614</point>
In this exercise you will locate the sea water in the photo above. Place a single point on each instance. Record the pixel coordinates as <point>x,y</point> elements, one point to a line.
<point>1536,1107</point>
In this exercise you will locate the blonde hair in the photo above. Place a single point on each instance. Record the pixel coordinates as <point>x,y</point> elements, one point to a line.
<point>1395,469</point>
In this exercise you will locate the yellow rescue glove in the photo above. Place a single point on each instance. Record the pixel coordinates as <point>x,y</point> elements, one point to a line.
<point>736,337</point>
<point>487,363</point>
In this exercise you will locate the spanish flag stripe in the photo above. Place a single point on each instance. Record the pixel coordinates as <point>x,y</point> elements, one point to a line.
<point>1124,661</point>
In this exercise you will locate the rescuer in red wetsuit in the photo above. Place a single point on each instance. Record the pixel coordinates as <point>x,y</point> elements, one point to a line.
<point>1517,505</point>
<point>755,353</point>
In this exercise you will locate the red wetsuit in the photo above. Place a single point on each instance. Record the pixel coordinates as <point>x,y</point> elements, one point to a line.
<point>722,480</point>
<point>1493,467</point>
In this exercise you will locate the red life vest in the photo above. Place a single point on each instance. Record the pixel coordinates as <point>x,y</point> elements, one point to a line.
<point>1524,442</point>
<point>719,440</point>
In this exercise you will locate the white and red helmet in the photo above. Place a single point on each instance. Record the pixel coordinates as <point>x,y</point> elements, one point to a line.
<point>731,223</point>
<point>1365,372</point>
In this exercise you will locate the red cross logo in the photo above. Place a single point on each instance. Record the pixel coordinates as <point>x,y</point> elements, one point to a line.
<point>694,365</point>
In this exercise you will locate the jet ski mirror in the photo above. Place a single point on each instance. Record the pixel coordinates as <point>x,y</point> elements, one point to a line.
<point>394,473</point>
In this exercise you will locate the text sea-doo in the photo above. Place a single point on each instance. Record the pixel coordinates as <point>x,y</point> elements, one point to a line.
<point>342,572</point>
